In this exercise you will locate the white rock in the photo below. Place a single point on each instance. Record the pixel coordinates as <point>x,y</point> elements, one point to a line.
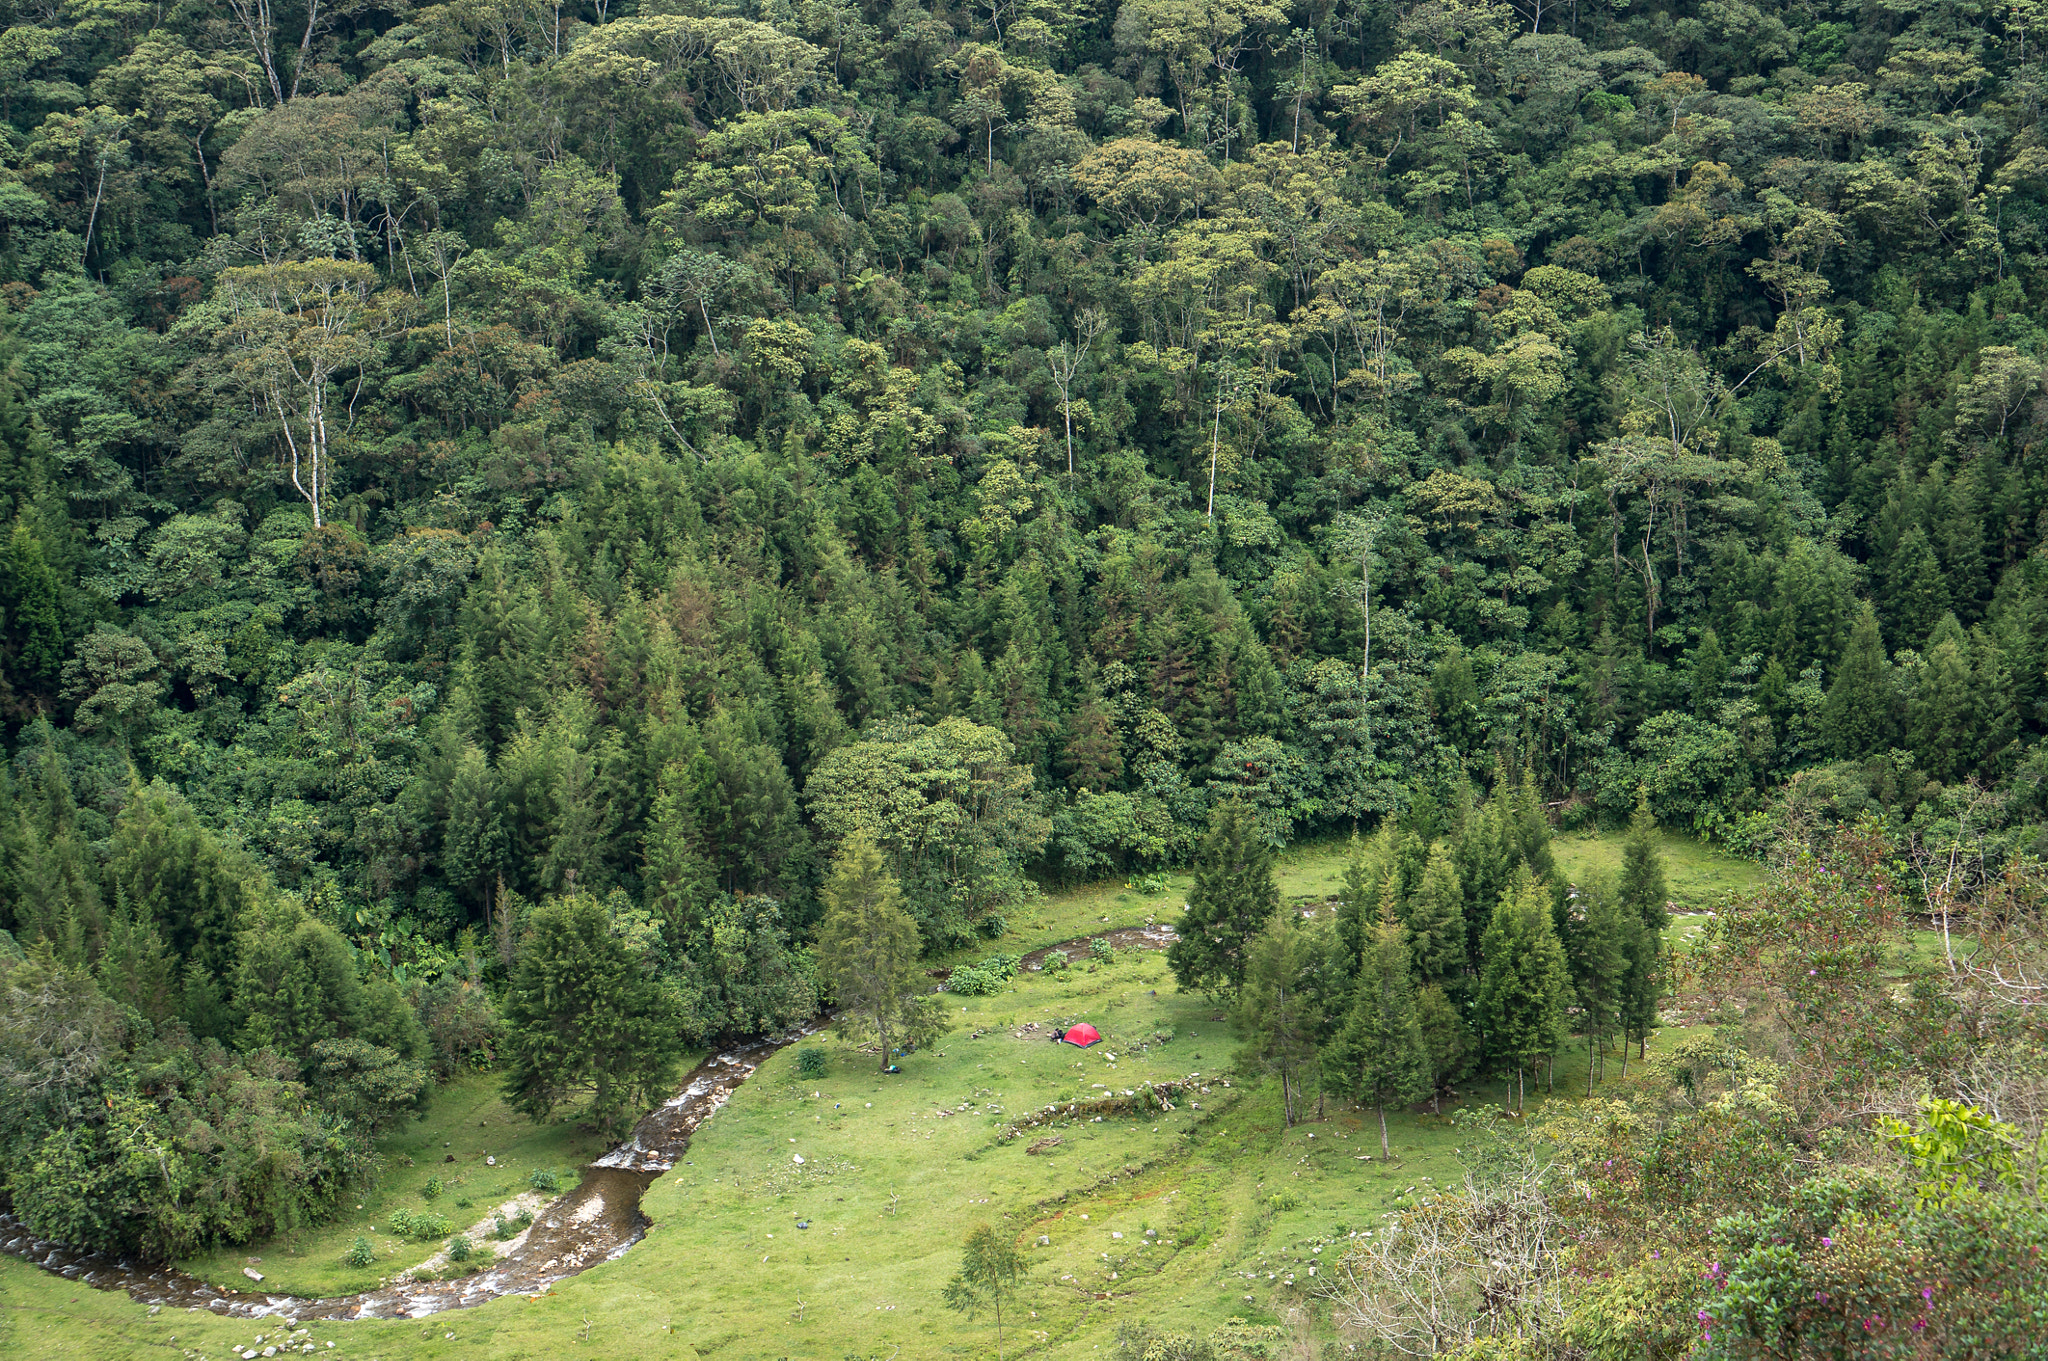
<point>490,1162</point>
<point>799,1158</point>
<point>252,1273</point>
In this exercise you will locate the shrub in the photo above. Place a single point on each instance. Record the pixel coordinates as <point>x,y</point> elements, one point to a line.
<point>419,1224</point>
<point>1100,948</point>
<point>812,1061</point>
<point>361,1254</point>
<point>431,1189</point>
<point>1056,962</point>
<point>986,978</point>
<point>458,1248</point>
<point>544,1180</point>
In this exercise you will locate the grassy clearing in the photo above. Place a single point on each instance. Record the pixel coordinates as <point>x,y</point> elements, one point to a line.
<point>1698,875</point>
<point>467,1120</point>
<point>895,1173</point>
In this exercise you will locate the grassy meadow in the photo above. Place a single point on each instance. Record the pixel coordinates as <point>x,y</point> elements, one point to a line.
<point>1182,1218</point>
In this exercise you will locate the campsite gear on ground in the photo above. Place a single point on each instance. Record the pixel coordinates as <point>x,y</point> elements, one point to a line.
<point>1082,1035</point>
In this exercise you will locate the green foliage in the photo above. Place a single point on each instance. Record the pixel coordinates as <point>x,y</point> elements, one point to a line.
<point>1380,1051</point>
<point>1523,984</point>
<point>360,1254</point>
<point>420,1225</point>
<point>868,949</point>
<point>1279,1008</point>
<point>813,1061</point>
<point>992,1269</point>
<point>984,979</point>
<point>459,1249</point>
<point>1233,899</point>
<point>544,1179</point>
<point>585,1017</point>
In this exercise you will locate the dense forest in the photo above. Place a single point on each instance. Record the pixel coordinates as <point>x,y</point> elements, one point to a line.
<point>491,463</point>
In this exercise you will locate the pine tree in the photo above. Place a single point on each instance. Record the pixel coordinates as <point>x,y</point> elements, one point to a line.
<point>473,838</point>
<point>1380,1051</point>
<point>1709,667</point>
<point>1643,889</point>
<point>1645,912</point>
<point>1523,982</point>
<point>1859,717</point>
<point>1916,593</point>
<point>1445,1039</point>
<point>1945,714</point>
<point>1995,703</point>
<point>584,1015</point>
<point>1277,1007</point>
<point>868,952</point>
<point>1959,533</point>
<point>1233,898</point>
<point>1436,921</point>
<point>1601,965</point>
<point>31,622</point>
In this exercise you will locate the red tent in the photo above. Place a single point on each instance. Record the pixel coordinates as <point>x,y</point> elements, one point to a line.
<point>1082,1035</point>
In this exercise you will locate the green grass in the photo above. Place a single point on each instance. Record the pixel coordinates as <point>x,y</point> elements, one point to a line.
<point>889,1188</point>
<point>468,1120</point>
<point>1697,875</point>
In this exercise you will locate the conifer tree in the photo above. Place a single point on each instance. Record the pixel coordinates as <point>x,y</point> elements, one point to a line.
<point>1709,674</point>
<point>473,839</point>
<point>584,1015</point>
<point>1916,592</point>
<point>31,623</point>
<point>1436,921</point>
<point>1601,965</point>
<point>1523,983</point>
<point>1859,717</point>
<point>1445,1039</point>
<point>1643,889</point>
<point>1945,714</point>
<point>1278,1007</point>
<point>1233,898</point>
<point>1380,1050</point>
<point>868,951</point>
<point>1645,912</point>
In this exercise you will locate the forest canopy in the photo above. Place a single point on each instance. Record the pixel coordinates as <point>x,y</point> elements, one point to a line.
<point>502,464</point>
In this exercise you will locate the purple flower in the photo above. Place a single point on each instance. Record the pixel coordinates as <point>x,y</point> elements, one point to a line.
<point>1827,1242</point>
<point>1927,1293</point>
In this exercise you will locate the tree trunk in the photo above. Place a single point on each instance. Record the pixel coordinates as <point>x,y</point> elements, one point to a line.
<point>1385,1150</point>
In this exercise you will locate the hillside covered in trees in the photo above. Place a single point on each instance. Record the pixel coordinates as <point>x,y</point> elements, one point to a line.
<point>477,464</point>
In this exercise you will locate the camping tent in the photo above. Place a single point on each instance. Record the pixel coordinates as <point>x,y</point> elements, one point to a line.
<point>1082,1035</point>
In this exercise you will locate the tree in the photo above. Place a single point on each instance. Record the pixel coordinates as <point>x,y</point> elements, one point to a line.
<point>1605,942</point>
<point>1233,898</point>
<point>1380,1051</point>
<point>1435,920</point>
<point>1445,1040</point>
<point>1523,983</point>
<point>1277,1007</point>
<point>473,838</point>
<point>1860,717</point>
<point>584,1014</point>
<point>1644,912</point>
<point>868,951</point>
<point>991,1270</point>
<point>296,329</point>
